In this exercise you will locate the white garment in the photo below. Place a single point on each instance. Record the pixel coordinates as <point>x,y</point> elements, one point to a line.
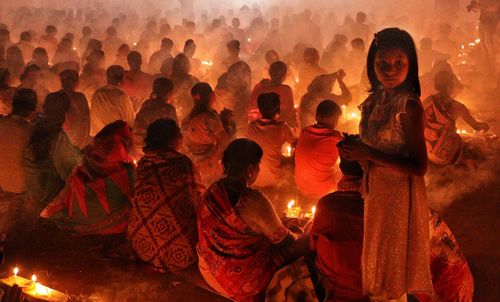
<point>109,104</point>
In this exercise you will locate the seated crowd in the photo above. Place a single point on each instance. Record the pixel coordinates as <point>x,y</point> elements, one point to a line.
<point>159,162</point>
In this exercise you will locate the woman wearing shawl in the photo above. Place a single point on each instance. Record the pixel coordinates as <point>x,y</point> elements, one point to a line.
<point>96,198</point>
<point>205,136</point>
<point>444,144</point>
<point>162,225</point>
<point>233,91</point>
<point>157,107</point>
<point>242,241</point>
<point>50,157</point>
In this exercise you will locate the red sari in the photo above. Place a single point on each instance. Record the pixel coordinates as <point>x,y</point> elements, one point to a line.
<point>241,261</point>
<point>96,197</point>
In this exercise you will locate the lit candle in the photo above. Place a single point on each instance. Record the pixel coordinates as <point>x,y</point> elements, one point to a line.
<point>311,214</point>
<point>289,208</point>
<point>33,278</point>
<point>16,271</point>
<point>207,63</point>
<point>292,210</point>
<point>286,150</point>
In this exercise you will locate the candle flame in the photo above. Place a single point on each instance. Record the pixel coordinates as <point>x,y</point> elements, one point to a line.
<point>289,150</point>
<point>313,210</point>
<point>16,271</point>
<point>477,41</point>
<point>135,43</point>
<point>207,63</point>
<point>33,278</point>
<point>135,162</point>
<point>249,39</point>
<point>291,204</point>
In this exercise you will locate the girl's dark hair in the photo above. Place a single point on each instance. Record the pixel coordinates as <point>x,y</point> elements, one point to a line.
<point>390,38</point>
<point>161,134</point>
<point>55,107</point>
<point>161,88</point>
<point>239,155</point>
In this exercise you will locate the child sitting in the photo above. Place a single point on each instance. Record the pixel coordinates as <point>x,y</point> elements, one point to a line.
<point>278,74</point>
<point>316,173</point>
<point>270,134</point>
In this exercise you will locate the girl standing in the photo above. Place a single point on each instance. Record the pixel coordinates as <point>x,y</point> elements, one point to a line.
<point>395,258</point>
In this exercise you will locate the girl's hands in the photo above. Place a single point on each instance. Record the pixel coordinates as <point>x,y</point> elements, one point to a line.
<point>355,150</point>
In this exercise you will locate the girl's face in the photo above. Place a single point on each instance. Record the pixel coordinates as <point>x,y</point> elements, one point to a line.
<point>391,67</point>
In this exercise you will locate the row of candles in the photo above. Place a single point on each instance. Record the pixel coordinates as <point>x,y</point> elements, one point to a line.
<point>32,287</point>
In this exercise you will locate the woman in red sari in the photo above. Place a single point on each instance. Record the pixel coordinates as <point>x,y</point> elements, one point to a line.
<point>242,241</point>
<point>96,198</point>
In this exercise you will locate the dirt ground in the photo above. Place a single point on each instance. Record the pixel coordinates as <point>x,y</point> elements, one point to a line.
<point>77,266</point>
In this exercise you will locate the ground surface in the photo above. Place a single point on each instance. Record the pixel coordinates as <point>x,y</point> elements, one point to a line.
<point>77,266</point>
